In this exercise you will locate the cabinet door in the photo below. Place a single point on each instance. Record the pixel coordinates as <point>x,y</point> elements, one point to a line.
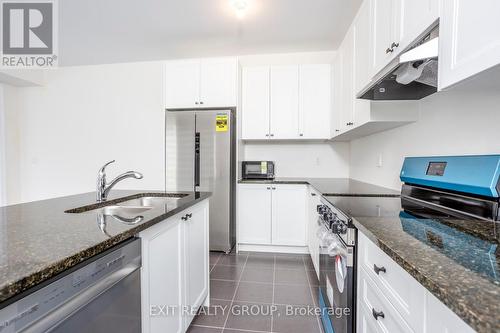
<point>161,276</point>
<point>348,96</point>
<point>312,228</point>
<point>315,101</point>
<point>382,20</point>
<point>416,16</point>
<point>469,39</point>
<point>182,84</point>
<point>218,82</point>
<point>196,258</point>
<point>254,214</point>
<point>337,83</point>
<point>255,103</point>
<point>289,215</point>
<point>284,102</point>
<point>362,69</point>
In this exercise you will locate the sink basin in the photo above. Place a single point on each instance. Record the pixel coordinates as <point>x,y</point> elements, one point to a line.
<point>151,202</point>
<point>123,210</point>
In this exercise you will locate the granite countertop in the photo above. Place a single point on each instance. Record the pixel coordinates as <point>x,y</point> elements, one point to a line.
<point>39,240</point>
<point>461,268</point>
<point>332,186</point>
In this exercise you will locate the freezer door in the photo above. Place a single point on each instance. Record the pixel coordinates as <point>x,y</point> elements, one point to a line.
<point>179,151</point>
<point>217,173</point>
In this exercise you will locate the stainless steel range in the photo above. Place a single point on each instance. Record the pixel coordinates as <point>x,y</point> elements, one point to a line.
<point>337,269</point>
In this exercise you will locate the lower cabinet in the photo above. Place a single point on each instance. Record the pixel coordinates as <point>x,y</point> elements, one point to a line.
<point>174,274</point>
<point>271,214</point>
<point>391,300</point>
<point>312,228</point>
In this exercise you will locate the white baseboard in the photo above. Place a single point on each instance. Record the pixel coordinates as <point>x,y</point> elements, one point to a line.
<point>272,248</point>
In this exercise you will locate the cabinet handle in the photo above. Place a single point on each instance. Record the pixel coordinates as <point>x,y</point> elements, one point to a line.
<point>274,188</point>
<point>301,134</point>
<point>337,130</point>
<point>350,124</point>
<point>394,45</point>
<point>196,103</point>
<point>272,135</point>
<point>268,188</point>
<point>184,218</point>
<point>379,269</point>
<point>201,102</point>
<point>389,50</point>
<point>267,135</point>
<point>377,314</point>
<point>189,215</point>
<point>313,194</point>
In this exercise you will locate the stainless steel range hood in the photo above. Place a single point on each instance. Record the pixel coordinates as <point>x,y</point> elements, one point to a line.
<point>411,76</point>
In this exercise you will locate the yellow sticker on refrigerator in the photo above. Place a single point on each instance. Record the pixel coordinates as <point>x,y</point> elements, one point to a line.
<point>263,167</point>
<point>221,123</point>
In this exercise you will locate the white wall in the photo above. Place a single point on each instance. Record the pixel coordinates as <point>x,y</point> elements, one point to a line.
<point>330,160</point>
<point>83,117</point>
<point>451,123</point>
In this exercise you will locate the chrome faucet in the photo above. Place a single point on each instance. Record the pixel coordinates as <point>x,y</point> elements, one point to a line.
<point>103,188</point>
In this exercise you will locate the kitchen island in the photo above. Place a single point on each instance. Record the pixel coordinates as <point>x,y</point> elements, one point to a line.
<point>40,239</point>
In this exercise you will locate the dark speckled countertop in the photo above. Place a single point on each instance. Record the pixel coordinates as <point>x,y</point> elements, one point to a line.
<point>39,240</point>
<point>332,186</point>
<point>458,261</point>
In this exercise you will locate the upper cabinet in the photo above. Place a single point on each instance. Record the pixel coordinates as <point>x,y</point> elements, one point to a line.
<point>469,39</point>
<point>201,83</point>
<point>286,102</point>
<point>395,24</point>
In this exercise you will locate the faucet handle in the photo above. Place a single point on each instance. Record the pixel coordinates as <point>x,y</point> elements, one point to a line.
<point>103,168</point>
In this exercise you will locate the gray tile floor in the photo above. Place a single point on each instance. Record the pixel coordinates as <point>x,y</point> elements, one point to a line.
<point>260,292</point>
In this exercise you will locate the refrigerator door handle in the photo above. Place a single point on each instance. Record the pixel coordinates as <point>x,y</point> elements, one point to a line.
<point>197,160</point>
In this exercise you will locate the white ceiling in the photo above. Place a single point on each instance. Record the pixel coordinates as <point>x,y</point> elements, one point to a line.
<point>109,31</point>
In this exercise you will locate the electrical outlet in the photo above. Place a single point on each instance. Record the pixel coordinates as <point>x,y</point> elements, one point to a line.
<point>380,161</point>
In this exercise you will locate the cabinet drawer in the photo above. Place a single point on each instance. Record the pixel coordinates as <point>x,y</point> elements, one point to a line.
<point>400,288</point>
<point>372,302</point>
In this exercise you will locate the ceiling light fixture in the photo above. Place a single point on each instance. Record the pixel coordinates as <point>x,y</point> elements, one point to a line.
<point>240,6</point>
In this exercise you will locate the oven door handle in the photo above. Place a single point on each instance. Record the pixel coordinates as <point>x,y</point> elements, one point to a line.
<point>56,317</point>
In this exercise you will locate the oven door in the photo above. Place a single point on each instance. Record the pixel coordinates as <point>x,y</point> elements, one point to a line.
<point>337,285</point>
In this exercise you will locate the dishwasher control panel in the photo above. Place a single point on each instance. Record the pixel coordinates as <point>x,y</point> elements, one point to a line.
<point>28,310</point>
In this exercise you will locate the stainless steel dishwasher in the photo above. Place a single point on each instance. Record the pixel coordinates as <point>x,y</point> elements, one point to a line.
<point>101,294</point>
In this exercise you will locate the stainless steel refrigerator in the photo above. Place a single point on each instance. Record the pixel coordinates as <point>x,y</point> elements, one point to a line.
<point>200,148</point>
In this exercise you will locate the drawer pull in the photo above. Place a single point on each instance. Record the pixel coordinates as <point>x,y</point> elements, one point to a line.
<point>379,269</point>
<point>377,314</point>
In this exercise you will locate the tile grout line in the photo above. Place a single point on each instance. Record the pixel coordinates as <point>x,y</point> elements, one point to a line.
<point>235,291</point>
<point>311,292</point>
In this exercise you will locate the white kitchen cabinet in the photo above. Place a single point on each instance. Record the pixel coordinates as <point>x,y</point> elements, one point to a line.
<point>337,68</point>
<point>161,276</point>
<point>362,31</point>
<point>315,102</point>
<point>254,214</point>
<point>182,84</point>
<point>196,257</point>
<point>284,102</point>
<point>347,95</point>
<point>201,83</point>
<point>395,24</point>
<point>255,103</point>
<point>312,228</point>
<point>218,82</point>
<point>270,214</point>
<point>289,217</point>
<point>469,39</point>
<point>174,269</point>
<point>385,287</point>
<point>415,17</point>
<point>384,17</point>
